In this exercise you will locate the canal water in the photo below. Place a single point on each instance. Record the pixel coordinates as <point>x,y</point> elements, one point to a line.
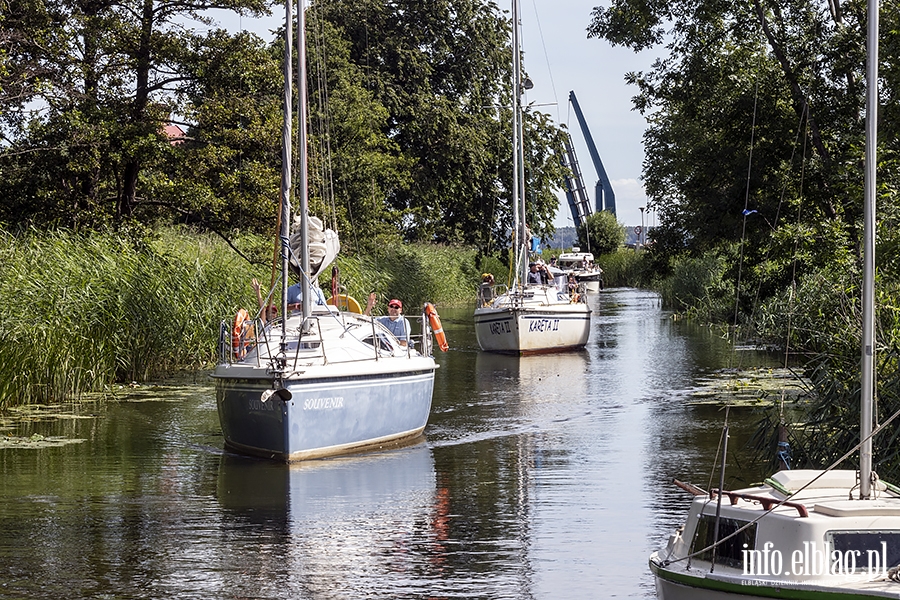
<point>538,477</point>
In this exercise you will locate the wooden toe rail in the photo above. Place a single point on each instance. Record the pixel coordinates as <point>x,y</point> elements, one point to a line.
<point>767,503</point>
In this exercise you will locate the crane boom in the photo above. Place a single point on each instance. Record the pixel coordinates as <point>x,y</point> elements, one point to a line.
<point>605,197</point>
<point>576,193</point>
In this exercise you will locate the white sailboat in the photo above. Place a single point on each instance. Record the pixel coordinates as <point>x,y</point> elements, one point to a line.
<point>528,318</point>
<point>319,382</point>
<point>831,534</point>
<point>581,265</point>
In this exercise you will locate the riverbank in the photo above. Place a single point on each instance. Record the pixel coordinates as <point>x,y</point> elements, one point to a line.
<point>83,312</point>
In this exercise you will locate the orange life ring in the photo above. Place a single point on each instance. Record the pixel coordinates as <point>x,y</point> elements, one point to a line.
<point>242,323</point>
<point>435,322</point>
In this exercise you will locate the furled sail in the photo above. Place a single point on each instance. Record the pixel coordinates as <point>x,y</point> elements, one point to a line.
<point>324,246</point>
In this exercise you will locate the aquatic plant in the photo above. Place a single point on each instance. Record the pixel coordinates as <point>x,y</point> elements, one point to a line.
<point>82,311</point>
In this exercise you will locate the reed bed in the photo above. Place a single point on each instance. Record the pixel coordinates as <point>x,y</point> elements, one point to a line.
<point>86,311</point>
<point>624,268</point>
<point>414,273</point>
<point>83,311</point>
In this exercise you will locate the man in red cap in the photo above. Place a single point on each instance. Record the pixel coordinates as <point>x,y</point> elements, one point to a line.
<point>394,321</point>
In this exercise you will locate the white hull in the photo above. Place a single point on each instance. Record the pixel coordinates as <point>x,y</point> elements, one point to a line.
<point>334,397</point>
<point>591,282</point>
<point>782,552</point>
<point>581,265</point>
<point>545,321</point>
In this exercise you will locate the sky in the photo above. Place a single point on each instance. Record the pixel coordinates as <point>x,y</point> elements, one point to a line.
<point>559,58</point>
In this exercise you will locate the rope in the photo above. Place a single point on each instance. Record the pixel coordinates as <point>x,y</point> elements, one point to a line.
<point>537,20</point>
<point>830,468</point>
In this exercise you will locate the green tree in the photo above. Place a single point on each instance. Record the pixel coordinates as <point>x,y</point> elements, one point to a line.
<point>601,234</point>
<point>757,107</point>
<point>111,80</point>
<point>409,134</point>
<point>441,71</point>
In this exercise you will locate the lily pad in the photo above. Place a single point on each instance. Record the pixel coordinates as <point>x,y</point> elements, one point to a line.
<point>37,441</point>
<point>749,387</point>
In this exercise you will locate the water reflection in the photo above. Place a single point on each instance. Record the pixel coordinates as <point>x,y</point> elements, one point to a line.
<point>342,528</point>
<point>539,477</point>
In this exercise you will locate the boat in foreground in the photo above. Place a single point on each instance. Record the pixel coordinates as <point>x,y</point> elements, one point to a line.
<point>347,385</point>
<point>318,382</point>
<point>805,534</point>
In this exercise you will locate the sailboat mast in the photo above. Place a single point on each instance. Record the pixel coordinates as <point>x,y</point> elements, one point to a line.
<point>286,168</point>
<point>521,117</point>
<point>517,229</point>
<point>519,150</point>
<point>303,190</point>
<point>868,295</point>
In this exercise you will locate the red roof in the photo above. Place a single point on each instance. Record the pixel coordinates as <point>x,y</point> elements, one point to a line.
<point>174,133</point>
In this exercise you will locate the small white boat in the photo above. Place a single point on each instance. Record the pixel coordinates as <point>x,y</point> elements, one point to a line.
<point>581,265</point>
<point>346,385</point>
<point>814,534</point>
<point>801,534</point>
<point>319,382</point>
<point>533,319</point>
<point>528,318</point>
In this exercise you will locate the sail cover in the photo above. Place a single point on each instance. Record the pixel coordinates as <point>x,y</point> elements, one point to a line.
<point>324,246</point>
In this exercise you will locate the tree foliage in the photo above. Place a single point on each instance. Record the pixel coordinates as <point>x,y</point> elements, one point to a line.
<point>601,234</point>
<point>756,108</point>
<point>409,119</point>
<point>755,163</point>
<point>91,126</point>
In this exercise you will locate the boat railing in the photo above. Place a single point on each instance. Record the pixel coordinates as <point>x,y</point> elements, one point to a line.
<point>234,345</point>
<point>487,293</point>
<point>767,503</point>
<point>255,334</point>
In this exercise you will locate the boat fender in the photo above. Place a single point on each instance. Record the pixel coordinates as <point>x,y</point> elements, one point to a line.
<point>241,325</point>
<point>345,302</point>
<point>435,322</point>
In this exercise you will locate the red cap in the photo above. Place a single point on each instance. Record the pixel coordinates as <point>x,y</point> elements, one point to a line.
<point>395,302</point>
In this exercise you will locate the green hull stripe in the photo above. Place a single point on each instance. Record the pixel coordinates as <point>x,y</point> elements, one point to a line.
<point>789,592</point>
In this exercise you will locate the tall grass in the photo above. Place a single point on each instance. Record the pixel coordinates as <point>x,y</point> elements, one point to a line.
<point>698,287</point>
<point>83,311</point>
<point>414,273</point>
<point>624,268</point>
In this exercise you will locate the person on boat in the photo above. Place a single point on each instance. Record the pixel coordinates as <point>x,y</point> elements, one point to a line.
<point>271,311</point>
<point>486,291</point>
<point>572,284</point>
<point>538,274</point>
<point>295,296</point>
<point>394,320</point>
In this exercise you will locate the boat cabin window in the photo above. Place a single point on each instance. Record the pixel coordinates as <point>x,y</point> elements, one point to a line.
<point>302,346</point>
<point>870,551</point>
<point>383,342</point>
<point>729,552</point>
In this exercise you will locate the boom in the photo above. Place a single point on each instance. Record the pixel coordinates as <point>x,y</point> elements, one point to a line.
<point>605,197</point>
<point>576,194</point>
